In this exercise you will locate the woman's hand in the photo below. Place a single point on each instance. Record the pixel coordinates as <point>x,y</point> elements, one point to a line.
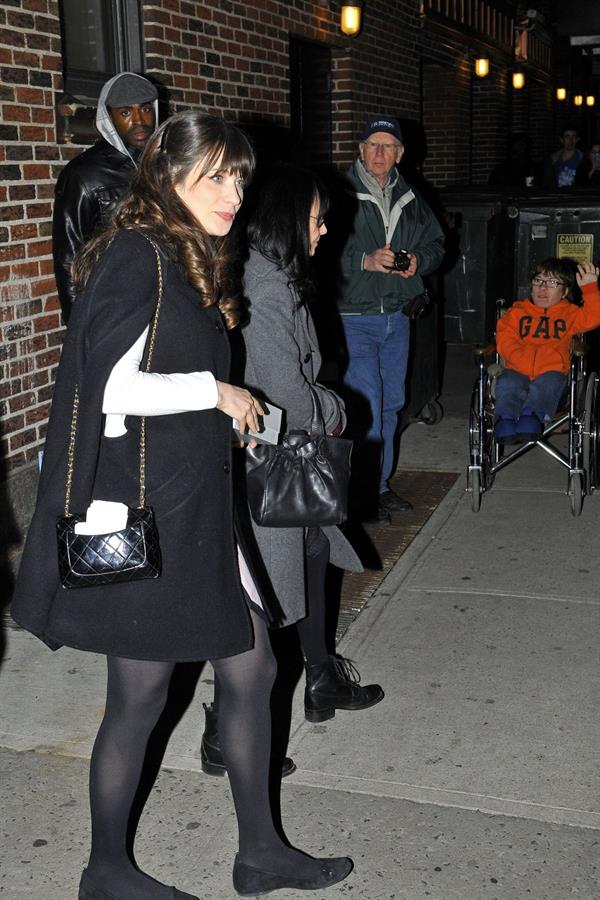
<point>240,405</point>
<point>587,273</point>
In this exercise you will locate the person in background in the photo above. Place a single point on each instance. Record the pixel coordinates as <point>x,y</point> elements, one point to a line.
<point>534,340</point>
<point>205,604</point>
<point>282,363</point>
<point>90,186</point>
<point>392,225</point>
<point>518,169</point>
<point>562,166</point>
<point>588,172</point>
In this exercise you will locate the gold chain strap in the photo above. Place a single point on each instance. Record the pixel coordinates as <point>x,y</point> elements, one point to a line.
<point>73,429</point>
<point>149,360</point>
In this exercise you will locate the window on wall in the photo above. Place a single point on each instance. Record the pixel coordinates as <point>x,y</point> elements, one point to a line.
<point>100,38</point>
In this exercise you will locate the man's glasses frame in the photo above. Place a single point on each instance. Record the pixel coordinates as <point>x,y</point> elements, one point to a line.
<point>546,282</point>
<point>386,148</point>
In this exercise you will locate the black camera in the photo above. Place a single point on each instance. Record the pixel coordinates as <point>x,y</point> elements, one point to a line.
<point>401,261</point>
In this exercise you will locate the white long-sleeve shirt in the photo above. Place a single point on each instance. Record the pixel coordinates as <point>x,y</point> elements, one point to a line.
<point>131,392</point>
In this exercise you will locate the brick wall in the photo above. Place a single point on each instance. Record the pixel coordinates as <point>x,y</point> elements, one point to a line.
<point>229,57</point>
<point>233,58</point>
<point>30,67</point>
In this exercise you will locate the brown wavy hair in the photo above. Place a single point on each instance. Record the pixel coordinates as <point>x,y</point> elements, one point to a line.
<point>188,139</point>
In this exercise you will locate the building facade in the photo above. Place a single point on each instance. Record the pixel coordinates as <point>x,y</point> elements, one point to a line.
<point>276,66</point>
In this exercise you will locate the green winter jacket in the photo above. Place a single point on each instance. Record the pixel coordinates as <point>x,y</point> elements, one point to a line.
<point>411,226</point>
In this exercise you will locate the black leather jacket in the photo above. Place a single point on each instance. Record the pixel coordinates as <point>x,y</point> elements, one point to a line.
<point>87,191</point>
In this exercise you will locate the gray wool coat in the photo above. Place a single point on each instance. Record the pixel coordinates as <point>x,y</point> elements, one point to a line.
<point>282,360</point>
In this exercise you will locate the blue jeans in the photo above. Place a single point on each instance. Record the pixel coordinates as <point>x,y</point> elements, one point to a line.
<point>377,359</point>
<point>515,393</point>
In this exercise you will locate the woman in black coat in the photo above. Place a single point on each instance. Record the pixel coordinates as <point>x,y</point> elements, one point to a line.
<point>170,228</point>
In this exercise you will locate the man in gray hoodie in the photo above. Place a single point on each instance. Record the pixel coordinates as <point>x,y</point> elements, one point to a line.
<point>90,186</point>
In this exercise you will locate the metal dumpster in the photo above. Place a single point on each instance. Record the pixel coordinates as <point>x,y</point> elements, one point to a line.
<point>495,238</point>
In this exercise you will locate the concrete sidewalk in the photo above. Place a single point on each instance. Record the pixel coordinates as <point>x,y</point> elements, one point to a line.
<point>475,779</point>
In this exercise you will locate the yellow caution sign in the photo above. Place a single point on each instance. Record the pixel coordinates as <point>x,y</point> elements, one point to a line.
<point>579,247</point>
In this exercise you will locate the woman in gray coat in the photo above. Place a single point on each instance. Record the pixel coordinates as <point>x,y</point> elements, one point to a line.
<point>282,365</point>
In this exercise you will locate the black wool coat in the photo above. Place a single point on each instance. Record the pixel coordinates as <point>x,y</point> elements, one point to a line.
<point>196,609</point>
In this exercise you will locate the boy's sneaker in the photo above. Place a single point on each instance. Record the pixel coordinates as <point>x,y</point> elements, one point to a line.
<point>505,430</point>
<point>529,427</point>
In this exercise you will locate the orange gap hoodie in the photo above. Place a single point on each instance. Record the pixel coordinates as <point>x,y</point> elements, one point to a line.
<point>534,340</point>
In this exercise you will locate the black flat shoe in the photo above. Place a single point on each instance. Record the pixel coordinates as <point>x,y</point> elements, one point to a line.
<point>391,502</point>
<point>89,891</point>
<point>249,881</point>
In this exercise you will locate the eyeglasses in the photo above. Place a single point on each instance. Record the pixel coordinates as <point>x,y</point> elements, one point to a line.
<point>546,282</point>
<point>319,220</point>
<point>386,148</point>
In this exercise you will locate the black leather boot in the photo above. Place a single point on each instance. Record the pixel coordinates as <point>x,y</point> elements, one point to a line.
<point>210,748</point>
<point>336,685</point>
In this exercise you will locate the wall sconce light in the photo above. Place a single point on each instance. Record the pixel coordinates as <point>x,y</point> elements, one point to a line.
<point>482,67</point>
<point>561,93</point>
<point>578,100</point>
<point>351,18</point>
<point>518,80</point>
<point>590,100</point>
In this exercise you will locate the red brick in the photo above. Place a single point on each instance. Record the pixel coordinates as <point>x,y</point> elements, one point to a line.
<point>39,248</point>
<point>16,113</point>
<point>43,360</point>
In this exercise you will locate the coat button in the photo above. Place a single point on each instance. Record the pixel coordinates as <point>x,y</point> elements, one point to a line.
<point>219,327</point>
<point>307,357</point>
<point>226,468</point>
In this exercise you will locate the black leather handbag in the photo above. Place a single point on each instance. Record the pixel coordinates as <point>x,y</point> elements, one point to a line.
<point>128,555</point>
<point>303,480</point>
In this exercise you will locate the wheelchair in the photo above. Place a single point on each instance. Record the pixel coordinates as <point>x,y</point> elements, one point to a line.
<point>578,416</point>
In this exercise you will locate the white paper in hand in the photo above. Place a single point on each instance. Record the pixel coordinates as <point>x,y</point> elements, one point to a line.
<point>271,426</point>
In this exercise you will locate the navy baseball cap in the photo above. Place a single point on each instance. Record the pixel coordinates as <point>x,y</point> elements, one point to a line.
<point>381,123</point>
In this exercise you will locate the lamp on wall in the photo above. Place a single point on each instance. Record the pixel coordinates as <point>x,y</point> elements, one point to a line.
<point>590,100</point>
<point>482,66</point>
<point>561,93</point>
<point>351,18</point>
<point>578,100</point>
<point>518,80</point>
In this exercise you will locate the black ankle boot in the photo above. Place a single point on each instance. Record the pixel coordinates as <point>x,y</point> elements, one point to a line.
<point>335,685</point>
<point>249,881</point>
<point>210,748</point>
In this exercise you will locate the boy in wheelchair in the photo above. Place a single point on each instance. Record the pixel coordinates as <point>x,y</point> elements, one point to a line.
<point>534,339</point>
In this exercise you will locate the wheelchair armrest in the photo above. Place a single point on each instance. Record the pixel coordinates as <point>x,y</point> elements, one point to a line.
<point>480,350</point>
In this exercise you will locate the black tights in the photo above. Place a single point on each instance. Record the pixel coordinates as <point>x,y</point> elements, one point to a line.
<point>136,695</point>
<point>311,630</point>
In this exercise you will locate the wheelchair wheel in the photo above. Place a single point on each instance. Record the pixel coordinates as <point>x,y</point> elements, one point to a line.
<point>576,492</point>
<point>591,436</point>
<point>483,449</point>
<point>475,482</point>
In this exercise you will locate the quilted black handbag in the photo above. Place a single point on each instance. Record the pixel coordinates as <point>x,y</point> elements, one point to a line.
<point>303,480</point>
<point>127,555</point>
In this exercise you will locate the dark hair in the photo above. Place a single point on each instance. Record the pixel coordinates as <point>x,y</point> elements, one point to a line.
<point>152,203</point>
<point>278,225</point>
<point>564,268</point>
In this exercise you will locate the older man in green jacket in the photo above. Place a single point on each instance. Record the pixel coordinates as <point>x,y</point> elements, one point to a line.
<point>394,241</point>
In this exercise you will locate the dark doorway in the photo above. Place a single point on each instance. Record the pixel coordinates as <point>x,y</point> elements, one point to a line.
<point>310,101</point>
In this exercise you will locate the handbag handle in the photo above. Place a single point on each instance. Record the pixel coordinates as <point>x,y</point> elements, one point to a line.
<point>317,425</point>
<point>73,429</point>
